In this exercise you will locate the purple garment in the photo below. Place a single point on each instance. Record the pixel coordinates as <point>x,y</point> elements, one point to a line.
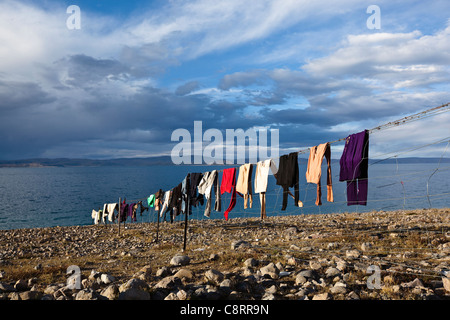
<point>130,212</point>
<point>354,167</point>
<point>123,212</point>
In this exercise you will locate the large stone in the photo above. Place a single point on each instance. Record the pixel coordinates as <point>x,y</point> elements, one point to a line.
<point>184,274</point>
<point>21,285</point>
<point>339,288</point>
<point>250,262</point>
<point>51,289</point>
<point>270,270</point>
<point>4,287</point>
<point>182,295</point>
<point>162,272</point>
<point>240,244</point>
<point>169,283</point>
<point>322,296</point>
<point>171,296</point>
<point>106,278</point>
<point>352,254</point>
<point>299,280</point>
<point>86,294</point>
<point>446,283</point>
<point>145,273</point>
<point>111,292</point>
<point>412,284</point>
<point>308,274</point>
<point>134,289</point>
<point>180,260</point>
<point>134,294</point>
<point>214,276</point>
<point>31,295</point>
<point>332,272</point>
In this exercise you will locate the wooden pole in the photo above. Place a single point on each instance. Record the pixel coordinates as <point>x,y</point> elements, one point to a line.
<point>186,213</point>
<point>118,218</point>
<point>157,226</point>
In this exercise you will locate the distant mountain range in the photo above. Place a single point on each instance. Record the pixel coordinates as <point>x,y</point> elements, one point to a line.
<point>162,160</point>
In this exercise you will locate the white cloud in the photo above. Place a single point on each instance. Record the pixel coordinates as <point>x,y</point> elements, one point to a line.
<point>367,54</point>
<point>201,27</point>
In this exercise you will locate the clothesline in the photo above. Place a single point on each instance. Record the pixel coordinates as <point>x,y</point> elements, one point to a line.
<point>420,115</point>
<point>364,156</point>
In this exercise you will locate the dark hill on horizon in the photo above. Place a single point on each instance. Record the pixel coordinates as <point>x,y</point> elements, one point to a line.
<point>165,160</point>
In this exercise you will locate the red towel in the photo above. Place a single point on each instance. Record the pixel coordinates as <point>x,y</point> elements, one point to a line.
<point>229,185</point>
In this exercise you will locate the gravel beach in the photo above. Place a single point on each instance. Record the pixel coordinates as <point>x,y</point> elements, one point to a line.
<point>397,255</point>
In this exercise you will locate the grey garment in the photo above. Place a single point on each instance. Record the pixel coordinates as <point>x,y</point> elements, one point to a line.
<point>205,188</point>
<point>184,193</point>
<point>218,203</point>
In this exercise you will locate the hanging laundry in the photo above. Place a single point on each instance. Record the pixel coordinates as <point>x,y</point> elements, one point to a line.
<point>229,185</point>
<point>132,211</point>
<point>111,207</point>
<point>261,177</point>
<point>218,201</point>
<point>287,177</point>
<point>354,164</point>
<point>205,188</point>
<point>244,184</point>
<point>175,203</point>
<point>158,199</point>
<point>314,170</point>
<point>123,211</point>
<point>185,192</point>
<point>143,208</point>
<point>96,215</point>
<point>194,198</point>
<point>165,206</point>
<point>104,215</point>
<point>151,201</point>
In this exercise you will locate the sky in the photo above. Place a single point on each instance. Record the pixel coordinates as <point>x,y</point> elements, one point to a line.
<point>135,71</point>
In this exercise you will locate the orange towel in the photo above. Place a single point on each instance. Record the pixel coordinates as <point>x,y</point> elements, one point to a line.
<point>314,170</point>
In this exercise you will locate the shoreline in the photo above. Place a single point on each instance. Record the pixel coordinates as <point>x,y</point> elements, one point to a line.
<point>324,256</point>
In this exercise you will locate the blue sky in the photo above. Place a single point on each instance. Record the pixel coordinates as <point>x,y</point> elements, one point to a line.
<point>138,70</point>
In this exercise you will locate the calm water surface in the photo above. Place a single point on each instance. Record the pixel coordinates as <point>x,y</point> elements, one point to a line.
<point>46,197</point>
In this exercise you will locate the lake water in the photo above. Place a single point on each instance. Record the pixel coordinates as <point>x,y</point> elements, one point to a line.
<point>47,197</point>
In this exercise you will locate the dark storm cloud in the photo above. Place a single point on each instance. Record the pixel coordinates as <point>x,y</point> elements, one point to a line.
<point>16,96</point>
<point>187,88</point>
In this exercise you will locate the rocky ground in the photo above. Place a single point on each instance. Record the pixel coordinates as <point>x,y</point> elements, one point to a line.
<point>400,255</point>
